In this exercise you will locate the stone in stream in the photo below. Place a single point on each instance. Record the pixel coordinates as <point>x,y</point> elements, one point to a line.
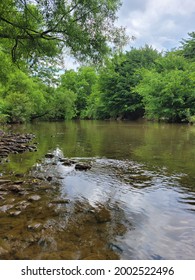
<point>34,198</point>
<point>4,208</point>
<point>3,181</point>
<point>15,213</point>
<point>82,166</point>
<point>35,226</point>
<point>15,188</point>
<point>49,155</point>
<point>11,188</point>
<point>18,182</point>
<point>60,201</point>
<point>67,160</point>
<point>3,251</point>
<point>66,163</point>
<point>15,143</point>
<point>49,178</point>
<point>102,215</point>
<point>22,205</point>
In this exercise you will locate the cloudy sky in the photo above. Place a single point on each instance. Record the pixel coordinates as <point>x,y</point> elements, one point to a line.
<point>160,23</point>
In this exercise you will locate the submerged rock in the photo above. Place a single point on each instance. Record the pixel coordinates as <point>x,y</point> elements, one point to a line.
<point>60,201</point>
<point>34,198</point>
<point>103,215</point>
<point>14,213</point>
<point>35,226</point>
<point>11,188</point>
<point>22,205</point>
<point>4,208</point>
<point>49,178</point>
<point>3,251</point>
<point>16,188</point>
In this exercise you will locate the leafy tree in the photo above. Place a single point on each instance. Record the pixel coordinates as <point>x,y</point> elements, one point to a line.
<point>81,83</point>
<point>37,28</point>
<point>21,97</point>
<point>86,80</point>
<point>18,107</point>
<point>118,79</point>
<point>188,47</point>
<point>61,105</point>
<point>168,89</point>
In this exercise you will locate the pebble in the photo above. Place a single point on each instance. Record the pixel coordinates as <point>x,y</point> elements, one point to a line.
<point>14,213</point>
<point>35,226</point>
<point>34,198</point>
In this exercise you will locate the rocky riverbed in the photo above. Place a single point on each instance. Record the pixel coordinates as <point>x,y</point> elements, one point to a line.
<point>38,222</point>
<point>15,143</point>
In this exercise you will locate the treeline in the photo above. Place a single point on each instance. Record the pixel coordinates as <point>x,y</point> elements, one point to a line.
<point>139,83</point>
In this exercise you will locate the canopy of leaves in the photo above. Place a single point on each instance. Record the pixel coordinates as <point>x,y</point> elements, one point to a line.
<point>81,83</point>
<point>188,47</point>
<point>32,29</point>
<point>117,81</point>
<point>168,90</point>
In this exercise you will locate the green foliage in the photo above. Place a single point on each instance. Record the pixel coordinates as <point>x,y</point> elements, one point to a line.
<point>38,29</point>
<point>118,79</point>
<point>21,97</point>
<point>168,89</point>
<point>19,107</point>
<point>129,85</point>
<point>61,105</point>
<point>188,47</point>
<point>81,83</point>
<point>192,119</point>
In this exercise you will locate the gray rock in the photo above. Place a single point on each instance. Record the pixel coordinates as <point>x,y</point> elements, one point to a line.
<point>34,198</point>
<point>3,181</point>
<point>82,166</point>
<point>14,213</point>
<point>49,155</point>
<point>35,226</point>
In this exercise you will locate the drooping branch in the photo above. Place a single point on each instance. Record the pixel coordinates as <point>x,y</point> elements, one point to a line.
<point>13,24</point>
<point>85,27</point>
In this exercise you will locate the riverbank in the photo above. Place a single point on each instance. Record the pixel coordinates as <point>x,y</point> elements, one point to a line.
<point>15,143</point>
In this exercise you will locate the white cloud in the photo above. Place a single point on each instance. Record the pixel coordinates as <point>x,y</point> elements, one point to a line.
<point>161,23</point>
<point>158,23</point>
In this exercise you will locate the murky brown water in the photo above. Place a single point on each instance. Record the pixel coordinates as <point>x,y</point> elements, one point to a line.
<point>136,202</point>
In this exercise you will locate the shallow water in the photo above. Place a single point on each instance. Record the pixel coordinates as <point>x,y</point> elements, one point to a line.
<point>136,202</point>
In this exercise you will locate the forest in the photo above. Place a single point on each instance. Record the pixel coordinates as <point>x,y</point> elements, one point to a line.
<point>110,83</point>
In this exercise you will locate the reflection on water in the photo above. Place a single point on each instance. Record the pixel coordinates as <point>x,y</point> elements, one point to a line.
<point>136,202</point>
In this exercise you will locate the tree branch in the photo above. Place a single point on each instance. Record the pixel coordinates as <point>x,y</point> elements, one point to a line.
<point>14,50</point>
<point>56,25</point>
<point>28,36</point>
<point>17,26</point>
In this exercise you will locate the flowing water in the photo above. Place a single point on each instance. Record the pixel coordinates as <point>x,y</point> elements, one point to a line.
<point>137,201</point>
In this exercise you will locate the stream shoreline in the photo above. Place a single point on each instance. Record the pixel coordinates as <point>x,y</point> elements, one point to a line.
<point>38,223</point>
<point>15,143</point>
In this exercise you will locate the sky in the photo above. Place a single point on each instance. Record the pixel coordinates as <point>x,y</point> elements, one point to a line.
<point>158,23</point>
